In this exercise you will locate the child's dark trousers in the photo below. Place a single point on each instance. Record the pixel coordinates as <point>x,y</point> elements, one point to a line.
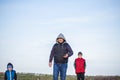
<point>80,76</point>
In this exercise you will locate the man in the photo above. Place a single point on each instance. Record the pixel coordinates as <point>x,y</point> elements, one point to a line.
<point>61,51</point>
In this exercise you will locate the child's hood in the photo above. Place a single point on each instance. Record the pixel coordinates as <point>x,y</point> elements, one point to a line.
<point>9,65</point>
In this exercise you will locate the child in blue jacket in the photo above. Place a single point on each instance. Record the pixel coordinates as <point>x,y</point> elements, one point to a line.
<point>10,74</point>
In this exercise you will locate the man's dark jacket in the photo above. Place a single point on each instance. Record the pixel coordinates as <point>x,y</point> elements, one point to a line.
<point>59,50</point>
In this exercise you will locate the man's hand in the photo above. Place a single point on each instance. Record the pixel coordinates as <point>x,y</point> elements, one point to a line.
<point>65,56</point>
<point>50,64</point>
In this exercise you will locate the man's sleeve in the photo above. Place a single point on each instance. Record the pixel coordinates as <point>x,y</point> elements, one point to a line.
<point>70,51</point>
<point>52,54</point>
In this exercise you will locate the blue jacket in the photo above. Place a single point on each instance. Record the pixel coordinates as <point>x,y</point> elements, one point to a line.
<point>10,75</point>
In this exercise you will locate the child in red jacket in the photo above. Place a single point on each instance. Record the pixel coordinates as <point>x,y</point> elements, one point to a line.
<point>80,66</point>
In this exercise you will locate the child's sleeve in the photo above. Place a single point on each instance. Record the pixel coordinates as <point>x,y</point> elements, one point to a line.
<point>85,65</point>
<point>5,76</point>
<point>15,76</point>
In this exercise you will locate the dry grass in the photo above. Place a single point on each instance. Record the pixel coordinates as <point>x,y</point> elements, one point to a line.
<point>32,76</point>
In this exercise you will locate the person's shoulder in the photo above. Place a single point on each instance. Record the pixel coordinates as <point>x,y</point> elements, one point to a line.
<point>6,71</point>
<point>76,59</point>
<point>83,59</point>
<point>55,44</point>
<point>14,71</point>
<point>66,44</point>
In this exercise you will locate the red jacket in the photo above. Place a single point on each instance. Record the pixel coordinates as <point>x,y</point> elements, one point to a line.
<point>80,65</point>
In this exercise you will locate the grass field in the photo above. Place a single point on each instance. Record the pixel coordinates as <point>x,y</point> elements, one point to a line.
<point>32,76</point>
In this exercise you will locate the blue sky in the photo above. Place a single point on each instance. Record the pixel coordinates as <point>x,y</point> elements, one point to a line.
<point>28,30</point>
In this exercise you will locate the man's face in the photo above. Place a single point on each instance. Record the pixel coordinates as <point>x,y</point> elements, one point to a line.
<point>60,40</point>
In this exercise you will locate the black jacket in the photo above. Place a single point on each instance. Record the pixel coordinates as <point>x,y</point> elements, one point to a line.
<point>58,51</point>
